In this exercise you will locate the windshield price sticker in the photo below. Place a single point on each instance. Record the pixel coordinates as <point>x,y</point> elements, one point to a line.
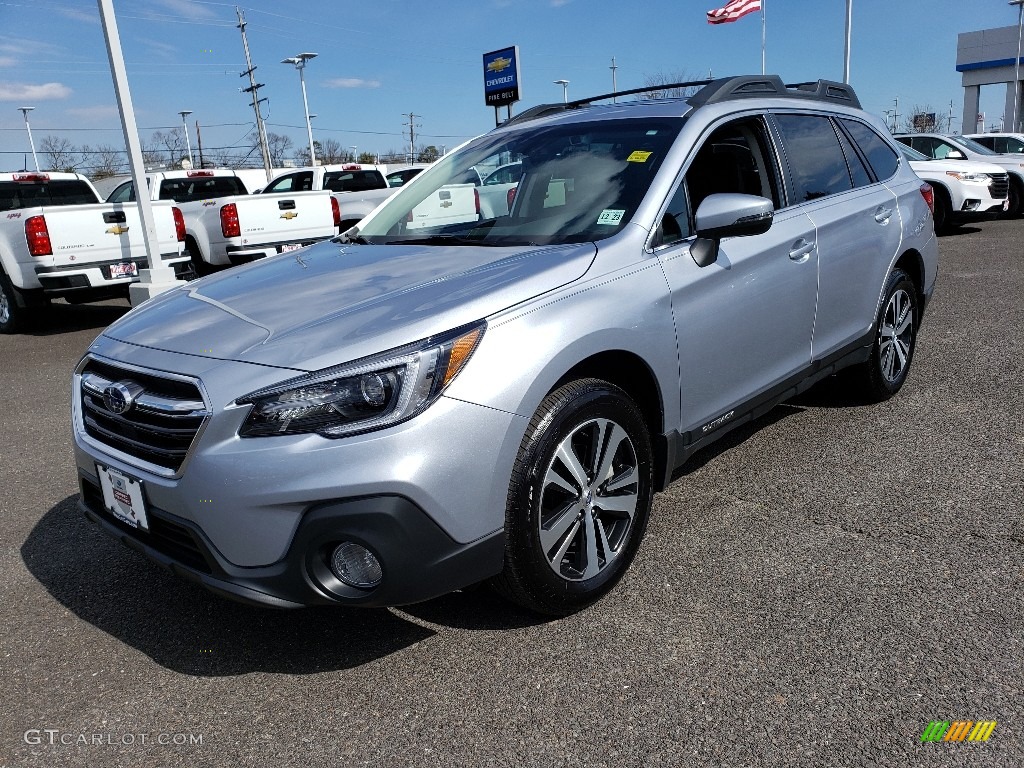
<point>611,216</point>
<point>639,156</point>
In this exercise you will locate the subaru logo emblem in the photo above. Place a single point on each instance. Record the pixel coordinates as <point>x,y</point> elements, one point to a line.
<point>119,397</point>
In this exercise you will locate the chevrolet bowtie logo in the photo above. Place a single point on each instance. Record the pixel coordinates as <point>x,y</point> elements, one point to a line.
<point>289,215</point>
<point>117,229</point>
<point>446,203</point>
<point>499,64</point>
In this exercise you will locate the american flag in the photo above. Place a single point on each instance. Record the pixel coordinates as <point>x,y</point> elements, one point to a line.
<point>733,10</point>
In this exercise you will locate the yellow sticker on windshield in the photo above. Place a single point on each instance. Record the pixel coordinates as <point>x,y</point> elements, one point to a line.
<point>638,157</point>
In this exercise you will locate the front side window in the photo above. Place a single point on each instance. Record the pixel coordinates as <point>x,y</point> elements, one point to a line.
<point>293,182</point>
<point>574,182</point>
<point>734,158</point>
<point>123,194</point>
<point>816,159</point>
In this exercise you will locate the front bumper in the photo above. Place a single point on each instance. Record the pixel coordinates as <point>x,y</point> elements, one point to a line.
<point>244,516</point>
<point>418,559</point>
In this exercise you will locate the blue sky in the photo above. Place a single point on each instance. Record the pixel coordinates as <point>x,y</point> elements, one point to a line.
<point>380,60</point>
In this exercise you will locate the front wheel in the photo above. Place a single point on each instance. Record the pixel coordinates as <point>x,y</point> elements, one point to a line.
<point>579,499</point>
<point>1013,209</point>
<point>895,338</point>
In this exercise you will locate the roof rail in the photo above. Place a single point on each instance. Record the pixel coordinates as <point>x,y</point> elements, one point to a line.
<point>715,91</point>
<point>759,86</point>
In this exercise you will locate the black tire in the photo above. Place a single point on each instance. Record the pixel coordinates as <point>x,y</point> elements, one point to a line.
<point>12,315</point>
<point>943,210</point>
<point>199,267</point>
<point>1015,194</point>
<point>593,527</point>
<point>886,370</point>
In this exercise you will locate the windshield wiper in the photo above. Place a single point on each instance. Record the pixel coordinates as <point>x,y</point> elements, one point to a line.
<point>441,240</point>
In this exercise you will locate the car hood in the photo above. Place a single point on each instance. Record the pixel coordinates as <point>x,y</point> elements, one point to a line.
<point>331,303</point>
<point>955,166</point>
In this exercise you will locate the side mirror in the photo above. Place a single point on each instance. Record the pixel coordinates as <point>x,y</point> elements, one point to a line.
<point>956,154</point>
<point>728,215</point>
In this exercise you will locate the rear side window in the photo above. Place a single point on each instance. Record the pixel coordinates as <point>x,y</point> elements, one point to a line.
<point>881,157</point>
<point>27,194</point>
<point>354,181</point>
<point>200,188</point>
<point>816,159</point>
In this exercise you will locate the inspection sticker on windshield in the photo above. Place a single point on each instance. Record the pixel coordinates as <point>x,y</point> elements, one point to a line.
<point>611,216</point>
<point>639,156</point>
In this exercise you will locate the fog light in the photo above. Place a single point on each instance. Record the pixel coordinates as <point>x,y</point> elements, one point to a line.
<point>356,565</point>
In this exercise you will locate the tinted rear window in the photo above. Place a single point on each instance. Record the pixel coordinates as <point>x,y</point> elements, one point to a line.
<point>25,194</point>
<point>200,188</point>
<point>815,157</point>
<point>880,155</point>
<point>354,181</point>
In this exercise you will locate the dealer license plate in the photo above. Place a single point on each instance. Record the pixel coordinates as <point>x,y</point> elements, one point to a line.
<point>122,496</point>
<point>124,269</point>
<point>289,247</point>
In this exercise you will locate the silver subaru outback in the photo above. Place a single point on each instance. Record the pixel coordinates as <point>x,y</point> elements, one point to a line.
<point>489,381</point>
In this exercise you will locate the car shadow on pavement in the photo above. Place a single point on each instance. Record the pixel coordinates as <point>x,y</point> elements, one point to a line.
<point>958,231</point>
<point>59,317</point>
<point>186,629</point>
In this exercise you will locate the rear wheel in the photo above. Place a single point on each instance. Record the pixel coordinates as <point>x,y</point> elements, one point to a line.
<point>943,209</point>
<point>895,338</point>
<point>12,316</point>
<point>200,267</point>
<point>579,499</point>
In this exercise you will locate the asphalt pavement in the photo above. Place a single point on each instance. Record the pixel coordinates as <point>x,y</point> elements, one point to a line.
<point>813,591</point>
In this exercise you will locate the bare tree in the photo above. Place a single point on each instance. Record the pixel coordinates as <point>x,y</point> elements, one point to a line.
<point>171,144</point>
<point>60,153</point>
<point>278,145</point>
<point>657,81</point>
<point>428,154</point>
<point>105,161</point>
<point>395,156</point>
<point>331,151</point>
<point>922,119</point>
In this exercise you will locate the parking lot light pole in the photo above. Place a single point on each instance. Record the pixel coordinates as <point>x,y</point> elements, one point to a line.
<point>355,157</point>
<point>25,111</point>
<point>565,88</point>
<point>188,144</point>
<point>1015,119</point>
<point>299,61</point>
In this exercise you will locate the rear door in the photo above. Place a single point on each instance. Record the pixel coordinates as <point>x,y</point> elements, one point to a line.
<point>856,220</point>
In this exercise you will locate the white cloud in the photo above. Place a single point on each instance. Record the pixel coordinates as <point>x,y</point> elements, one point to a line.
<point>351,82</point>
<point>165,50</point>
<point>89,17</point>
<point>7,61</point>
<point>28,92</point>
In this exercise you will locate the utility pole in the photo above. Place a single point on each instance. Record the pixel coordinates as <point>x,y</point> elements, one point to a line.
<point>199,141</point>
<point>254,90</point>
<point>896,115</point>
<point>411,125</point>
<point>615,88</point>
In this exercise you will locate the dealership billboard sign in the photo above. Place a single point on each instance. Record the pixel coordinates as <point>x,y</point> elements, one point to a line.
<point>501,77</point>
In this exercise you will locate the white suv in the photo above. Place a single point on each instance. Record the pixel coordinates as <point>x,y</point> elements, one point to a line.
<point>1003,143</point>
<point>940,146</point>
<point>964,189</point>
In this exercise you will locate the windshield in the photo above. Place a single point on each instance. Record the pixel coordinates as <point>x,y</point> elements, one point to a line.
<point>912,154</point>
<point>971,144</point>
<point>567,183</point>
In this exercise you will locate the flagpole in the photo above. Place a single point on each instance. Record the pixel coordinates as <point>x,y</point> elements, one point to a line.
<point>762,36</point>
<point>849,24</point>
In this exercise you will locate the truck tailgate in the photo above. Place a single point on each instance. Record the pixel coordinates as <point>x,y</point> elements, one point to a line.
<point>104,232</point>
<point>285,218</point>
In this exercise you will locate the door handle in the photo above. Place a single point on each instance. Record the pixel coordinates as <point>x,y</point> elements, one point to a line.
<point>882,214</point>
<point>801,250</point>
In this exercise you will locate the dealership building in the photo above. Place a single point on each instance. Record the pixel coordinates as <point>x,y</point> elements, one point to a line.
<point>988,58</point>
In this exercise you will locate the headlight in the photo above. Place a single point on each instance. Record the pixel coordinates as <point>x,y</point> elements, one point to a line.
<point>976,178</point>
<point>363,395</point>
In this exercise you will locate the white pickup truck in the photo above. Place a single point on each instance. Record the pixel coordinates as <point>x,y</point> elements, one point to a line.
<point>58,240</point>
<point>358,189</point>
<point>225,225</point>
